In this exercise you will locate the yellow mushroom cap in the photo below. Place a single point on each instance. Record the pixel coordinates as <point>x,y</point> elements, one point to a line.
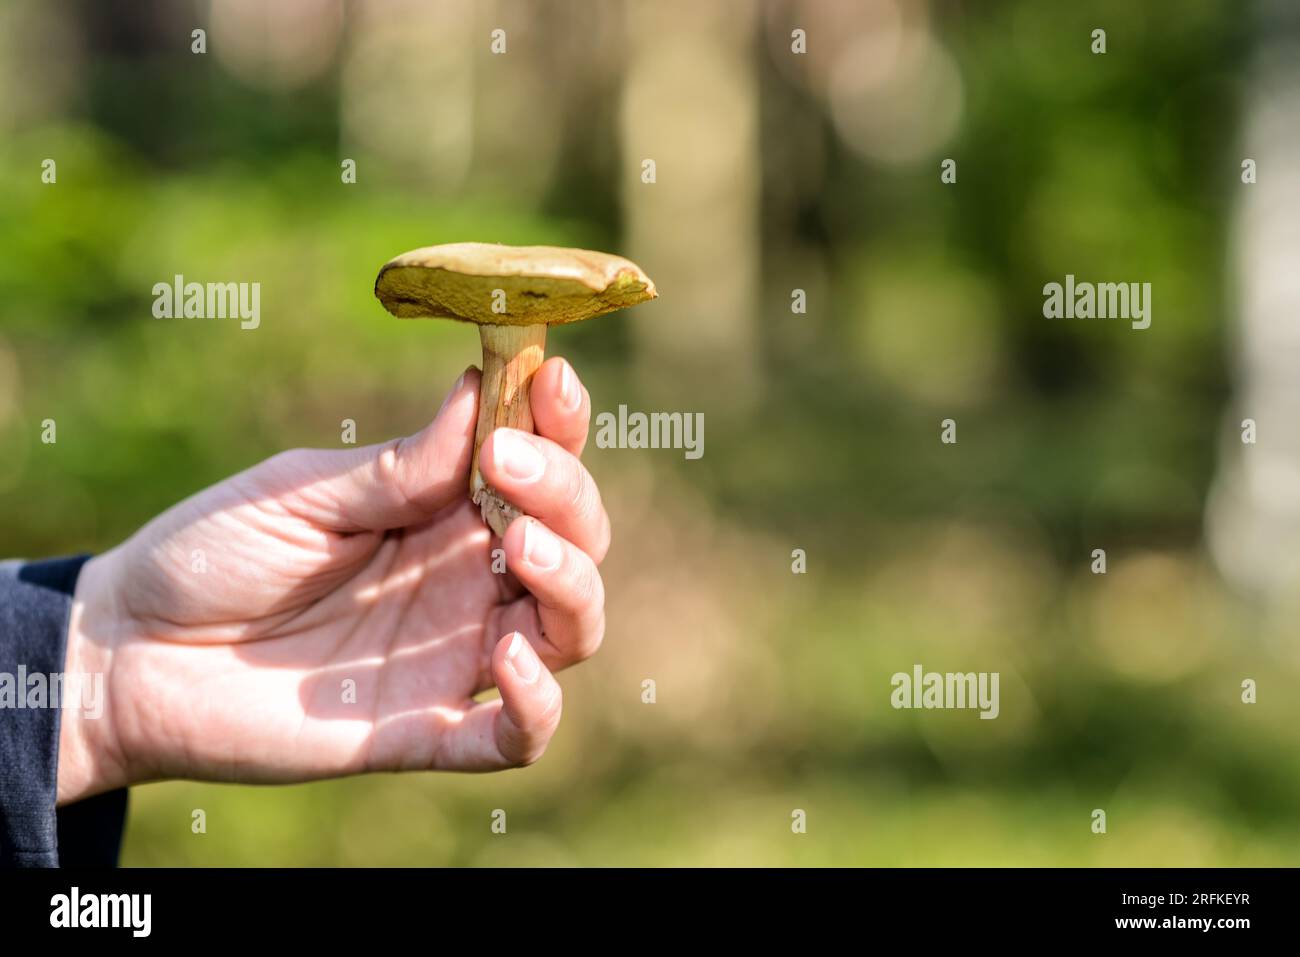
<point>542,285</point>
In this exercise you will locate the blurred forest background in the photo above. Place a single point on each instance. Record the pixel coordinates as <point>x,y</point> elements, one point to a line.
<point>775,171</point>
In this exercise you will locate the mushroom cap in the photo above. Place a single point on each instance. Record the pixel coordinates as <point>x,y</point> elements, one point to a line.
<point>543,285</point>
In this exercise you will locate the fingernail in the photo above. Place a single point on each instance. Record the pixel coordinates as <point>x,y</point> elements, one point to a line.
<point>570,397</point>
<point>521,659</point>
<point>517,457</point>
<point>541,549</point>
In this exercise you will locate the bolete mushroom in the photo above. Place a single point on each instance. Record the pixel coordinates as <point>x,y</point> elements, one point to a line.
<point>513,293</point>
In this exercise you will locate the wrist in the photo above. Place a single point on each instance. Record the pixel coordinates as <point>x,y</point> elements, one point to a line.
<point>90,757</point>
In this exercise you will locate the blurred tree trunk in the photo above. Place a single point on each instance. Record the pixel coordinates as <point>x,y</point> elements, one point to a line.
<point>1254,513</point>
<point>408,91</point>
<point>690,105</point>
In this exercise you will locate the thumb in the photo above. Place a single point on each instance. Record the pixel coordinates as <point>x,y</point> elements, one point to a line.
<point>390,485</point>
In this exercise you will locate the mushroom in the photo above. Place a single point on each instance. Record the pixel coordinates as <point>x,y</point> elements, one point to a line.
<point>513,293</point>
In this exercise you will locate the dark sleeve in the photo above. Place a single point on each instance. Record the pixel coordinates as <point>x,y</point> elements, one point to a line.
<point>35,601</point>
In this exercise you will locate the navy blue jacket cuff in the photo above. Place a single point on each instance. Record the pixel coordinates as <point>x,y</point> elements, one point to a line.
<point>35,602</point>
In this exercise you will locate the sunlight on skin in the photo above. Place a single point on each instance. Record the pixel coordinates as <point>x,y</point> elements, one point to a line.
<point>408,578</point>
<point>335,612</point>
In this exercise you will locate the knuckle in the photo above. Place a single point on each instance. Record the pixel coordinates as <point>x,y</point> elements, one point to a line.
<point>532,755</point>
<point>391,473</point>
<point>582,501</point>
<point>589,589</point>
<point>593,639</point>
<point>577,491</point>
<point>388,464</point>
<point>548,719</point>
<point>541,730</point>
<point>603,538</point>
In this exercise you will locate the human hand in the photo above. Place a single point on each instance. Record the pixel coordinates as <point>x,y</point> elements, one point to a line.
<point>229,627</point>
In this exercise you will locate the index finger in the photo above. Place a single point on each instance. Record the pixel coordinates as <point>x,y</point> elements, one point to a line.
<point>561,406</point>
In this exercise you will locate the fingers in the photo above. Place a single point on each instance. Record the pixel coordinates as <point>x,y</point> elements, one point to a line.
<point>543,477</point>
<point>545,481</point>
<point>404,481</point>
<point>568,617</point>
<point>531,701</point>
<point>391,485</point>
<point>561,406</point>
<point>514,730</point>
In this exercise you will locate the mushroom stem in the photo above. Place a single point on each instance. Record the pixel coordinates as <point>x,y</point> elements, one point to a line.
<point>511,354</point>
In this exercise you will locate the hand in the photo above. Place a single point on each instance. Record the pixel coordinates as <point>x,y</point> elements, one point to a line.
<point>334,612</point>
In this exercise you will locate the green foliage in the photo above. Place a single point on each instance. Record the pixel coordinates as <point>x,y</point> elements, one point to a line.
<point>1116,695</point>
